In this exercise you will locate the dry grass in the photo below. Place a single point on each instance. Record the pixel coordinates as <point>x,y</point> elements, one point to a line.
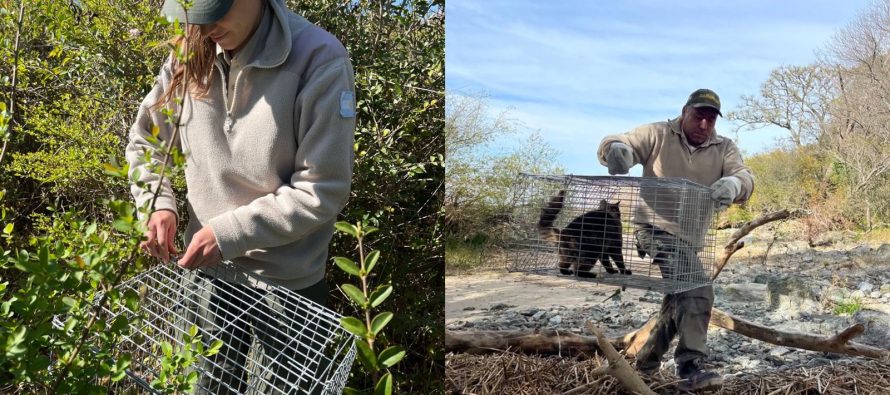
<point>511,373</point>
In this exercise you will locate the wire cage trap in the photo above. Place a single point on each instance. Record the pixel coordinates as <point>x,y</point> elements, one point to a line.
<point>640,232</point>
<point>275,340</point>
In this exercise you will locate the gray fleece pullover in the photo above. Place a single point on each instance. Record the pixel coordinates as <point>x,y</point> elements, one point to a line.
<point>268,157</point>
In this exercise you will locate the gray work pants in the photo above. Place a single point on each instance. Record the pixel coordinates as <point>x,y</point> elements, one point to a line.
<point>684,313</point>
<point>238,314</point>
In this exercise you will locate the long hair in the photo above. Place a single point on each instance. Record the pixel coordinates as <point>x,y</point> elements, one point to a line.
<point>200,65</point>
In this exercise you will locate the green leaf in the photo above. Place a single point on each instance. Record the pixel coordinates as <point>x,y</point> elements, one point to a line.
<point>371,260</point>
<point>39,364</point>
<point>384,386</point>
<point>380,294</point>
<point>122,225</point>
<point>347,228</point>
<point>8,228</point>
<point>214,347</point>
<point>352,391</point>
<point>391,356</point>
<point>43,256</point>
<point>347,265</point>
<point>167,349</point>
<point>366,355</point>
<point>380,321</point>
<point>70,302</point>
<point>355,294</point>
<point>354,326</point>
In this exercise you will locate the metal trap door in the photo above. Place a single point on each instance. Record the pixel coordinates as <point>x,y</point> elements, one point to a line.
<point>659,235</point>
<point>275,340</point>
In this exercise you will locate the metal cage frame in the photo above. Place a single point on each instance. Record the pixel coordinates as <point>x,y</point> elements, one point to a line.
<point>292,344</point>
<point>667,234</point>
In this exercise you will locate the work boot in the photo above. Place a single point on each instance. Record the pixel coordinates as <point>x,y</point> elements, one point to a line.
<point>696,379</point>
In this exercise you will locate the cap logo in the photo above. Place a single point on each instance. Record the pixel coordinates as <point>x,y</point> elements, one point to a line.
<point>709,96</point>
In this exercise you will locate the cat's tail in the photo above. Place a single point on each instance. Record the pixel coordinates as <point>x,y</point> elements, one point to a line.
<point>548,216</point>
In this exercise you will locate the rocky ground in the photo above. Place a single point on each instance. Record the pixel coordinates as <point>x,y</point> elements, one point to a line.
<point>793,288</point>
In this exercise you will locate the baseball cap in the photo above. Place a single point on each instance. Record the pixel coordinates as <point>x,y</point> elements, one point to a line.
<point>704,98</point>
<point>202,12</point>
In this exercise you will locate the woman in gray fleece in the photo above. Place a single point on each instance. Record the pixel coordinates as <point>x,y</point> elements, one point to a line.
<point>267,129</point>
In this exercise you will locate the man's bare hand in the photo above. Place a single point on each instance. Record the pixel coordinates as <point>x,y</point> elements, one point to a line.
<point>202,251</point>
<point>160,235</point>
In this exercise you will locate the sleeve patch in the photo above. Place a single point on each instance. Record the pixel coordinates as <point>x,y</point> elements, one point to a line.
<point>347,105</point>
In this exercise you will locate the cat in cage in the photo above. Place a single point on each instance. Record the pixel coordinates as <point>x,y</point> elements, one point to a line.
<point>590,237</point>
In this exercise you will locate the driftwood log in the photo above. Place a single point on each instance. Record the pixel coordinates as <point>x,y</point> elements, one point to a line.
<point>568,344</point>
<point>544,342</point>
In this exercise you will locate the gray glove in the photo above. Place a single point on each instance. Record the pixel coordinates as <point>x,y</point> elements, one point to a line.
<point>726,190</point>
<point>619,159</point>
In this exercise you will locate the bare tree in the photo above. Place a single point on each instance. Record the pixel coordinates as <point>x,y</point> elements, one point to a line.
<point>859,55</point>
<point>478,177</point>
<point>795,98</point>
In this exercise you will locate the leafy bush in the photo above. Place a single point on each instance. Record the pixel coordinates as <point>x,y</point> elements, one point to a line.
<point>84,66</point>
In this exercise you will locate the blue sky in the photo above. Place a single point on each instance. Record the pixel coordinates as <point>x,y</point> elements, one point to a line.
<point>576,71</point>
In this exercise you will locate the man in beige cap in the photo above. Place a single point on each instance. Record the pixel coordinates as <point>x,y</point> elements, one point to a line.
<point>686,147</point>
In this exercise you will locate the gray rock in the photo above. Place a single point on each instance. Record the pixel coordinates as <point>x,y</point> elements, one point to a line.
<point>883,251</point>
<point>499,306</point>
<point>529,312</point>
<point>555,320</point>
<point>862,249</point>
<point>791,296</point>
<point>779,351</point>
<point>469,308</point>
<point>877,327</point>
<point>875,294</point>
<point>539,315</point>
<point>743,293</point>
<point>866,287</point>
<point>885,288</point>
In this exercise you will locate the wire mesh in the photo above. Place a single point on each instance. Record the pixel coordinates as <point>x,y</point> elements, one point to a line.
<point>275,340</point>
<point>640,232</point>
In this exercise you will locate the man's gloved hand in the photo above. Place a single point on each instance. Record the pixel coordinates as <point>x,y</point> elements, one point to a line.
<point>619,159</point>
<point>726,190</point>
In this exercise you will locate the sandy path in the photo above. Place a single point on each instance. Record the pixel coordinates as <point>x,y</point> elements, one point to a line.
<point>486,289</point>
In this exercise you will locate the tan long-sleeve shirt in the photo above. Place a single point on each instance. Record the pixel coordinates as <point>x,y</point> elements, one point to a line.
<point>663,151</point>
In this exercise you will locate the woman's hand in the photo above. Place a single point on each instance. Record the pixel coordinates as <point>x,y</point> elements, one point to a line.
<point>160,234</point>
<point>203,251</point>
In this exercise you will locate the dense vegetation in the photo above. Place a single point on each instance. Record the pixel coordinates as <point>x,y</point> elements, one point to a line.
<point>71,77</point>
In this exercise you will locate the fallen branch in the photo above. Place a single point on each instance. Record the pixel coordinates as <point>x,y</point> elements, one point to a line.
<point>551,342</point>
<point>839,344</point>
<point>544,342</point>
<point>735,244</point>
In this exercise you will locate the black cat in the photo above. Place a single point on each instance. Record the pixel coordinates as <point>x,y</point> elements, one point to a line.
<point>591,237</point>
